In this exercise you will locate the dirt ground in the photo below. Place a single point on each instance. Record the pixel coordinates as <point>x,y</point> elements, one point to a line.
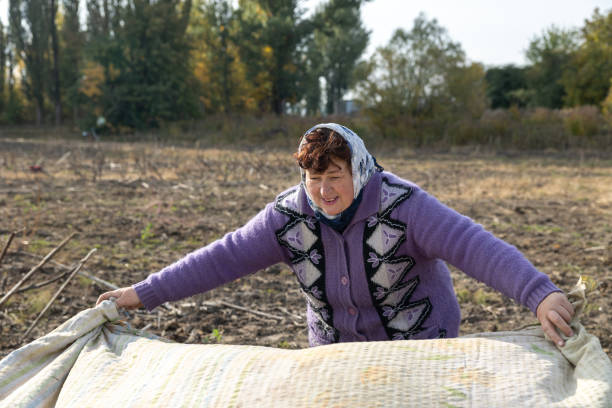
<point>145,205</point>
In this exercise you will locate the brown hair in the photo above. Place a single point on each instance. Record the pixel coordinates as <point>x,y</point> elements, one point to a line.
<point>319,147</point>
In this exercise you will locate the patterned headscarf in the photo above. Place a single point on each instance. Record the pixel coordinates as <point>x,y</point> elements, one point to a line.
<point>363,164</point>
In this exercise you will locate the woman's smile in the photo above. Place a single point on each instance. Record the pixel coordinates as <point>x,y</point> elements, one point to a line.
<point>332,189</point>
<point>330,201</point>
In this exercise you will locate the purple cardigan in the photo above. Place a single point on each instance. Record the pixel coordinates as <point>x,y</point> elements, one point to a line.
<point>383,278</point>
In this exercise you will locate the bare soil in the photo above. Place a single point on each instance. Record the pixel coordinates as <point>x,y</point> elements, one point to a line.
<point>145,205</point>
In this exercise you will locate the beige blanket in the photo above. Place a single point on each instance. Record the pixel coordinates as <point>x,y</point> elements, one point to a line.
<point>92,361</point>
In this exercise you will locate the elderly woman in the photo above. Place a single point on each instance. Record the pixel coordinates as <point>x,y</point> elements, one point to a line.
<point>368,249</point>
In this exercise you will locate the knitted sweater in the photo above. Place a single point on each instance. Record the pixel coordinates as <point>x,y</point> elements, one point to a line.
<point>383,278</point>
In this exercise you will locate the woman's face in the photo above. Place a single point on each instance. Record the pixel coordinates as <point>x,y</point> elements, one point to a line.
<point>332,190</point>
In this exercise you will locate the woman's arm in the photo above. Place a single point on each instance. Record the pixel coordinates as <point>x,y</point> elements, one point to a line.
<point>243,251</point>
<point>443,233</point>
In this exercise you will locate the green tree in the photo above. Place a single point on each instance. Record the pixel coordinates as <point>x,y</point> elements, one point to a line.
<point>341,39</point>
<point>55,70</point>
<point>550,55</point>
<point>29,22</point>
<point>144,51</point>
<point>419,84</point>
<point>467,91</point>
<point>587,78</point>
<point>409,75</point>
<point>272,37</point>
<point>254,52</point>
<point>3,52</point>
<point>12,111</point>
<point>606,105</point>
<point>502,84</point>
<point>214,31</point>
<point>71,38</point>
<point>310,85</point>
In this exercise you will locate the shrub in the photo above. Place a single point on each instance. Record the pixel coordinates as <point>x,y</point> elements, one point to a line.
<point>582,122</point>
<point>606,107</point>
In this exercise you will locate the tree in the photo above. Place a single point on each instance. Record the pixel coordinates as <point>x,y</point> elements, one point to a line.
<point>144,51</point>
<point>3,52</point>
<point>411,72</point>
<point>271,38</point>
<point>340,38</point>
<point>12,111</point>
<point>587,79</point>
<point>32,46</point>
<point>606,105</point>
<point>502,84</point>
<point>71,38</point>
<point>215,54</point>
<point>420,80</point>
<point>550,55</point>
<point>467,90</point>
<point>155,80</point>
<point>55,80</point>
<point>310,85</point>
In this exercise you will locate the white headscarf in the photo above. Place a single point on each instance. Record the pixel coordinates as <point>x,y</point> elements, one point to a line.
<point>363,164</point>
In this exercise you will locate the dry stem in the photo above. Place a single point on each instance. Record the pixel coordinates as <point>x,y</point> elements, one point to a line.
<point>37,267</point>
<point>72,274</point>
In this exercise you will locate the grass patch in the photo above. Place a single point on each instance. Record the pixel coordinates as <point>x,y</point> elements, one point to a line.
<point>479,297</point>
<point>40,244</point>
<point>148,238</point>
<point>214,337</point>
<point>284,345</point>
<point>31,302</point>
<point>542,229</point>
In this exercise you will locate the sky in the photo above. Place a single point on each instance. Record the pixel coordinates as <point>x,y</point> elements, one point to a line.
<point>493,32</point>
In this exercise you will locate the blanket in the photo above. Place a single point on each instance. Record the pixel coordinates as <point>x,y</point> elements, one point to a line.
<point>93,360</point>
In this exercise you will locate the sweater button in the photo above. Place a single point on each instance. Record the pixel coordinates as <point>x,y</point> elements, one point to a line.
<point>352,311</point>
<point>344,280</point>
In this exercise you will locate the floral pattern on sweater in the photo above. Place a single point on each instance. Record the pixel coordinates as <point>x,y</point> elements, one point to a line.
<point>301,235</point>
<point>391,293</point>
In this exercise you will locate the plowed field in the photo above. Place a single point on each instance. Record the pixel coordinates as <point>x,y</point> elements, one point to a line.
<point>144,206</point>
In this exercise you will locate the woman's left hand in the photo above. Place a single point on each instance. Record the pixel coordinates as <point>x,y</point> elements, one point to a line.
<point>555,311</point>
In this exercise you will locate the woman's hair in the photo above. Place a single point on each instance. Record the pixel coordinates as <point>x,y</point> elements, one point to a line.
<point>318,148</point>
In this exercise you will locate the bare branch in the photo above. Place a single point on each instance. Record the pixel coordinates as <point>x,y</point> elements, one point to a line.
<point>6,246</point>
<point>244,309</point>
<point>103,282</point>
<point>37,267</point>
<point>72,274</point>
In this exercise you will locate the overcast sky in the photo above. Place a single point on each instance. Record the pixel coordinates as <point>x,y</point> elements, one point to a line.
<point>493,32</point>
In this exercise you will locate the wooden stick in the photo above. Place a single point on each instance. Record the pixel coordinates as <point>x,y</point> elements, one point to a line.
<point>8,243</point>
<point>6,246</point>
<point>22,191</point>
<point>44,283</point>
<point>244,309</point>
<point>293,316</point>
<point>82,273</point>
<point>72,274</point>
<point>34,269</point>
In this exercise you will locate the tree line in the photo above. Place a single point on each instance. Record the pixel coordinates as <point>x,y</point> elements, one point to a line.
<point>143,63</point>
<point>140,63</point>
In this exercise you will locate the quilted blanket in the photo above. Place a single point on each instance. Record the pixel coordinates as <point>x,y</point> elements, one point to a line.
<point>93,360</point>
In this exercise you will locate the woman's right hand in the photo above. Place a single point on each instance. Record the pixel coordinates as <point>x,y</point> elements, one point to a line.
<point>126,298</point>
